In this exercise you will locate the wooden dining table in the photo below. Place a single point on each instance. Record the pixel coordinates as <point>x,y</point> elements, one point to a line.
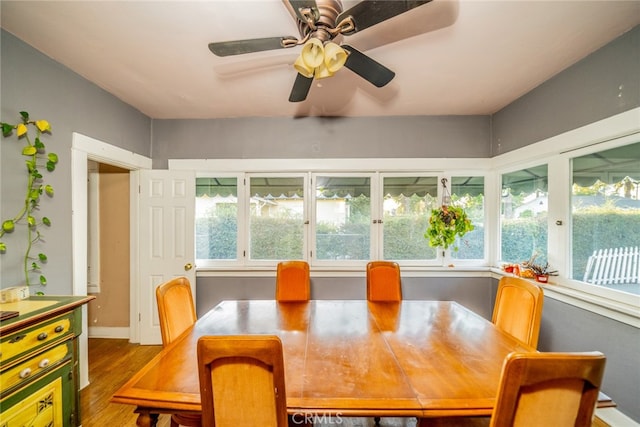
<point>425,359</point>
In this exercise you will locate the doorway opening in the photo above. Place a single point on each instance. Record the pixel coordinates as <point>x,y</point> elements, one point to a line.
<point>108,250</point>
<point>84,149</point>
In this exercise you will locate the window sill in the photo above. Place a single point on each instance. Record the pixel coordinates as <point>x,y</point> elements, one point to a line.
<point>622,311</point>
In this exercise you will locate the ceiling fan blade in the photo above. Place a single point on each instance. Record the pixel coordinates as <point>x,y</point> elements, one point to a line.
<point>299,5</point>
<point>370,70</point>
<point>238,47</point>
<point>300,88</point>
<point>368,13</point>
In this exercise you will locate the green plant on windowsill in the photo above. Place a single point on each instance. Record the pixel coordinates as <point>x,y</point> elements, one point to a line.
<point>29,215</point>
<point>447,222</point>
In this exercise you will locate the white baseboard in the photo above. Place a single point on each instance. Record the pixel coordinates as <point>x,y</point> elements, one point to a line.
<point>108,332</point>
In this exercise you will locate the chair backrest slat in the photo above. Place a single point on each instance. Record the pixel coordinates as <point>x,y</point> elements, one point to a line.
<point>242,381</point>
<point>558,389</point>
<point>176,308</point>
<point>518,309</point>
<point>383,281</point>
<point>292,281</point>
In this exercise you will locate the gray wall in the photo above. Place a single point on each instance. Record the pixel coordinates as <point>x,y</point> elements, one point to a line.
<point>603,84</point>
<point>321,137</point>
<point>568,328</point>
<point>47,90</point>
<point>477,294</point>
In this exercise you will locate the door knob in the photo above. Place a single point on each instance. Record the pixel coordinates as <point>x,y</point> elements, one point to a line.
<point>188,266</point>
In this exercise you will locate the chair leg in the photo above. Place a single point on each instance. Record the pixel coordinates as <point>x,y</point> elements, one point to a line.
<point>174,423</point>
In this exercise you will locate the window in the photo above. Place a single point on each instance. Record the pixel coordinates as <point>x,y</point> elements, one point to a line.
<point>468,192</point>
<point>406,206</point>
<point>332,219</point>
<point>523,215</point>
<point>217,218</point>
<point>342,217</point>
<point>276,217</point>
<point>605,212</point>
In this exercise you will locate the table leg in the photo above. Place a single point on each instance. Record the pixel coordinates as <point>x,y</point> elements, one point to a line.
<point>146,419</point>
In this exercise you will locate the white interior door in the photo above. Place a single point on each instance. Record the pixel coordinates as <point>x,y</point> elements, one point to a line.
<point>166,241</point>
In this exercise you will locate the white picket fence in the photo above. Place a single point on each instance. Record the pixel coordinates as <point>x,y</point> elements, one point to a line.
<point>613,266</point>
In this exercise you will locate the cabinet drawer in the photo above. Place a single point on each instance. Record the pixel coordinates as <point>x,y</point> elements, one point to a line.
<point>22,343</point>
<point>35,366</point>
<point>41,403</point>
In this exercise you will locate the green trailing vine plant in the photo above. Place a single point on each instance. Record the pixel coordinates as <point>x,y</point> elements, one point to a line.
<point>29,215</point>
<point>447,222</point>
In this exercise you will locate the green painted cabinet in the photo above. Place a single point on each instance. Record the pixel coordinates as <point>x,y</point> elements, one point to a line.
<point>39,362</point>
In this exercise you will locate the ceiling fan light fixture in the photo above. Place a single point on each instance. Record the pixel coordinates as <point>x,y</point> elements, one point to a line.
<point>323,72</point>
<point>318,60</point>
<point>313,53</point>
<point>302,68</point>
<point>334,57</point>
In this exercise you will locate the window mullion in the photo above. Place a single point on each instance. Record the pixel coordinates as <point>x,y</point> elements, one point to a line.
<point>377,225</point>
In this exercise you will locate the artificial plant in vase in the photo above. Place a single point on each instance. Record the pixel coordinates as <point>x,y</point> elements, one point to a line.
<point>29,215</point>
<point>447,222</point>
<point>541,272</point>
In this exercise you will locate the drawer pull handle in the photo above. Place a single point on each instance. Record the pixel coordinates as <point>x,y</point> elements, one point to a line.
<point>42,336</point>
<point>17,338</point>
<point>59,329</point>
<point>25,373</point>
<point>43,363</point>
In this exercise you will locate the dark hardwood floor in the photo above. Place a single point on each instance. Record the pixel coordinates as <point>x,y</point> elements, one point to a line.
<point>113,361</point>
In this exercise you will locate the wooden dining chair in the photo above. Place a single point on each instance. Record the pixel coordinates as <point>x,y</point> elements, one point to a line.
<point>292,281</point>
<point>177,313</point>
<point>242,381</point>
<point>383,281</point>
<point>541,389</point>
<point>548,389</point>
<point>518,309</point>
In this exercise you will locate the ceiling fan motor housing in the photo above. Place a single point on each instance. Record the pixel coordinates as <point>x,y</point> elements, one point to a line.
<point>324,26</point>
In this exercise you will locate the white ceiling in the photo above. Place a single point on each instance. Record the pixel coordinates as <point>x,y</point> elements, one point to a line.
<point>450,57</point>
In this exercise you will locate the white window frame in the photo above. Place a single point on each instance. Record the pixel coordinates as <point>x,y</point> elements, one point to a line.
<point>438,261</point>
<point>557,151</point>
<point>338,167</point>
<point>498,201</point>
<point>314,261</point>
<point>568,261</point>
<point>239,261</point>
<point>488,222</point>
<point>246,222</point>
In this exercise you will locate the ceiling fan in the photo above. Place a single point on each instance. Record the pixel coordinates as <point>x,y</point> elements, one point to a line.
<point>319,23</point>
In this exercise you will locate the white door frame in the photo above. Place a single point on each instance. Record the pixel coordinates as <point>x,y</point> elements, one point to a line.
<point>84,148</point>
